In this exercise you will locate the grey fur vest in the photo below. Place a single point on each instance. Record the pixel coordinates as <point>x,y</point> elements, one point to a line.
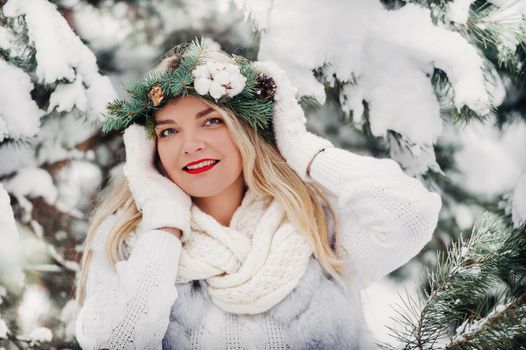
<point>317,314</point>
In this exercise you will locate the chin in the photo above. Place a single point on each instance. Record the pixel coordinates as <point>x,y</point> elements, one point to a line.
<point>203,192</point>
<point>193,190</point>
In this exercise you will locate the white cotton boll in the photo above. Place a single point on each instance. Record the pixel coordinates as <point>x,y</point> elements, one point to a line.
<point>41,334</point>
<point>201,71</point>
<point>232,69</point>
<point>222,77</point>
<point>217,90</point>
<point>236,85</point>
<point>67,96</point>
<point>202,85</point>
<point>214,67</point>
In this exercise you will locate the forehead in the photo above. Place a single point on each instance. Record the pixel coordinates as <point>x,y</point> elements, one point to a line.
<point>187,106</point>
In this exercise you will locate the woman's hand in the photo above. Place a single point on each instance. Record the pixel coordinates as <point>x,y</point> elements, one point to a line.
<point>174,231</point>
<point>297,145</point>
<point>161,201</point>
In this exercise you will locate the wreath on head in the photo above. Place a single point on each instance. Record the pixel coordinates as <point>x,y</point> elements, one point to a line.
<point>236,86</point>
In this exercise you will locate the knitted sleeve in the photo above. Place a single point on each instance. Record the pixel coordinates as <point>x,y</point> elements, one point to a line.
<point>128,307</point>
<point>385,217</point>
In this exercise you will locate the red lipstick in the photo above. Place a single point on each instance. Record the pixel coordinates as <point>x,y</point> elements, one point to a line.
<point>202,169</point>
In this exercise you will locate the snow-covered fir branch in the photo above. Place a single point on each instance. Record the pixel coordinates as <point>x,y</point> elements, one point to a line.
<point>493,257</point>
<point>507,318</point>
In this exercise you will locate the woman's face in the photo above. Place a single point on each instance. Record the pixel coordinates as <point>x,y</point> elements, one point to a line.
<point>188,130</point>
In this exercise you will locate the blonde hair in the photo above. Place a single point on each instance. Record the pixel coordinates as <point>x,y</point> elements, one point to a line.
<point>265,172</point>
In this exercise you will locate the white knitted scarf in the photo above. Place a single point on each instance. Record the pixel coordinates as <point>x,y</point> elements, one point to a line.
<point>250,266</point>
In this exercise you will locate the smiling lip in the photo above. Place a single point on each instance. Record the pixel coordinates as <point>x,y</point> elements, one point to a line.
<point>198,161</point>
<point>200,170</point>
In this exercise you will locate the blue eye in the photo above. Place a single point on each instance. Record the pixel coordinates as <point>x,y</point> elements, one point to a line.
<point>166,132</point>
<point>218,119</point>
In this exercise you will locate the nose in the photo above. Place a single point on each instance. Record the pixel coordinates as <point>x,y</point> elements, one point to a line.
<point>192,146</point>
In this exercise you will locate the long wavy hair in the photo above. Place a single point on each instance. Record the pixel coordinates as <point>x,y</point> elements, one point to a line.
<point>265,172</point>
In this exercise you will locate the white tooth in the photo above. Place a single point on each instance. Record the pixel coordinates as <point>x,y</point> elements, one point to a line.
<point>202,164</point>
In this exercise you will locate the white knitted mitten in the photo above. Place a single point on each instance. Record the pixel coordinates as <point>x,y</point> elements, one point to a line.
<point>162,202</point>
<point>297,145</point>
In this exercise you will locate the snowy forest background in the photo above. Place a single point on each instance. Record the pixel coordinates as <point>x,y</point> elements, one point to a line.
<point>437,85</point>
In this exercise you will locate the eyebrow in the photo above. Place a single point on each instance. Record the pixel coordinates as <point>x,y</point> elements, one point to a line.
<point>197,116</point>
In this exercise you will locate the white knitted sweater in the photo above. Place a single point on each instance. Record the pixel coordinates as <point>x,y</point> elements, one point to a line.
<point>385,217</point>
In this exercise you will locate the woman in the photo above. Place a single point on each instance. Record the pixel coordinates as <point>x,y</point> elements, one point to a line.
<point>236,228</point>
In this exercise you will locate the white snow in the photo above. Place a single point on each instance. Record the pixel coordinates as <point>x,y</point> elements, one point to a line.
<point>13,157</point>
<point>257,11</point>
<point>464,216</point>
<point>3,129</point>
<point>99,92</point>
<point>3,329</point>
<point>519,201</point>
<point>380,301</point>
<point>33,182</point>
<point>35,305</point>
<point>20,114</point>
<point>77,183</point>
<point>67,96</point>
<point>490,161</point>
<point>458,10</point>
<point>384,59</point>
<point>11,273</point>
<point>52,38</point>
<point>6,38</point>
<point>508,21</point>
<point>7,219</point>
<point>415,159</point>
<point>103,28</point>
<point>41,334</point>
<point>68,316</point>
<point>60,54</point>
<point>58,145</point>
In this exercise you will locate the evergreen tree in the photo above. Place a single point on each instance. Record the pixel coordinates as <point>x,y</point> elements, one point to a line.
<point>437,85</point>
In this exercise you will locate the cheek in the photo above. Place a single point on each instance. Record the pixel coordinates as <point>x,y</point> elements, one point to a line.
<point>232,151</point>
<point>166,155</point>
